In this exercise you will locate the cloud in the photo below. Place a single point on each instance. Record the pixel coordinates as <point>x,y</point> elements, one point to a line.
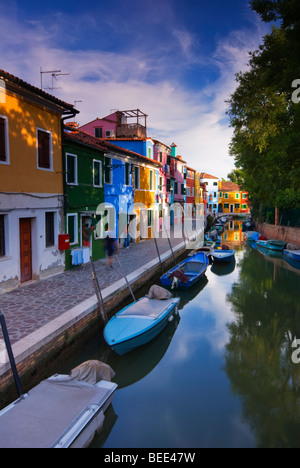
<point>137,76</point>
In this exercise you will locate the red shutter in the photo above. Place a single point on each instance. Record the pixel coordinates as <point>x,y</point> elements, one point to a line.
<point>2,140</point>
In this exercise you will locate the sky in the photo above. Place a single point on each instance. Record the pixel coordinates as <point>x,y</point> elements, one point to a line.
<point>175,60</point>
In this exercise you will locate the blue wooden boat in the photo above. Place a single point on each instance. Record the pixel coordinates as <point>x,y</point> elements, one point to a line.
<point>186,273</point>
<point>293,254</point>
<point>139,323</point>
<point>222,256</point>
<point>277,245</point>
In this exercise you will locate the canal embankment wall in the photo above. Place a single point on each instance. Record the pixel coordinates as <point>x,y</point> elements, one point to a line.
<point>38,354</point>
<point>291,235</point>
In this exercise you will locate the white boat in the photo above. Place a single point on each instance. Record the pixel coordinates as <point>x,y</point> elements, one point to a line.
<point>63,411</point>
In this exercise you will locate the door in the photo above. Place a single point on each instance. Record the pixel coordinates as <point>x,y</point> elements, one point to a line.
<point>231,209</point>
<point>25,250</point>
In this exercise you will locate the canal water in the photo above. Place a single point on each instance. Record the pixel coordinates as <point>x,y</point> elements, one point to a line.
<point>222,373</point>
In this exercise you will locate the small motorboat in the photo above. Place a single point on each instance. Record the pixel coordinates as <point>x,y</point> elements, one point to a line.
<point>63,411</point>
<point>226,255</point>
<point>293,254</point>
<point>186,273</point>
<point>141,321</point>
<point>207,248</point>
<point>277,245</point>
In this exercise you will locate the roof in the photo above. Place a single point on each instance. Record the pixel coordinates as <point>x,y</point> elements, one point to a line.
<point>229,187</point>
<point>8,78</point>
<point>81,137</point>
<point>204,175</point>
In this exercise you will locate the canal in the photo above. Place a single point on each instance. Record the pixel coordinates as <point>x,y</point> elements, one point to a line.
<point>222,374</point>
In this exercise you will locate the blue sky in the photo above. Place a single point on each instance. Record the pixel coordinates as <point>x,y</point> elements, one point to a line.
<point>174,59</point>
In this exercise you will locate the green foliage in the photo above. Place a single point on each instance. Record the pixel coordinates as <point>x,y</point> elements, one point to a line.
<point>266,122</point>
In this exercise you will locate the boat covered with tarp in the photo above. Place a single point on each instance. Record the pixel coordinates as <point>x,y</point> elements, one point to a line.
<point>63,411</point>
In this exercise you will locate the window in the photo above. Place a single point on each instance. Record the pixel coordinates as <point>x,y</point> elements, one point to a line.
<point>244,196</point>
<point>215,183</point>
<point>98,132</point>
<point>237,196</point>
<point>226,206</point>
<point>183,189</point>
<point>127,173</point>
<point>220,195</point>
<point>72,223</point>
<point>107,171</point>
<point>150,180</point>
<point>149,153</point>
<point>226,196</point>
<point>237,206</point>
<point>136,177</point>
<point>175,188</point>
<point>71,163</point>
<point>160,156</point>
<point>244,207</point>
<point>160,183</point>
<point>97,173</point>
<point>49,228</point>
<point>2,236</point>
<point>150,218</point>
<point>44,142</point>
<point>4,153</point>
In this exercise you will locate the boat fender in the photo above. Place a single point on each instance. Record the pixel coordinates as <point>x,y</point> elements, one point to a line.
<point>170,318</point>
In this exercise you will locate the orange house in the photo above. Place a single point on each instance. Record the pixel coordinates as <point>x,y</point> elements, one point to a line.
<point>32,195</point>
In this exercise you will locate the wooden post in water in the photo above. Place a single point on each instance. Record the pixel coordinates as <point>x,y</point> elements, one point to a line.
<point>125,278</point>
<point>98,292</point>
<point>10,355</point>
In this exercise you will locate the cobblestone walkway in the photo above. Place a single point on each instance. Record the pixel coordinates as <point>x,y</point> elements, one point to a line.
<point>31,306</point>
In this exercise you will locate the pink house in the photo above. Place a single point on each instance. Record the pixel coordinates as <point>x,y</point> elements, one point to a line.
<point>129,124</point>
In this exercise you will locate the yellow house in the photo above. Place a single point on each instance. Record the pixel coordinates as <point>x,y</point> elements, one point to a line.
<point>31,204</point>
<point>232,199</point>
<point>146,197</point>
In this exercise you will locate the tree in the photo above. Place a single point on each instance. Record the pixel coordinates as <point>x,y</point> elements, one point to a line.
<point>266,121</point>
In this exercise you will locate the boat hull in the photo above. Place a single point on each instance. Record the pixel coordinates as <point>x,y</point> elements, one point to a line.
<point>223,256</point>
<point>293,254</point>
<point>126,332</point>
<point>272,245</point>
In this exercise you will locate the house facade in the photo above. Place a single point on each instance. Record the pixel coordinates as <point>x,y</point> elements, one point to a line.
<point>232,199</point>
<point>31,181</point>
<point>84,193</point>
<point>212,188</point>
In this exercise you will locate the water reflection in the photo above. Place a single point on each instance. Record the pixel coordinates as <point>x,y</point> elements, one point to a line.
<point>258,354</point>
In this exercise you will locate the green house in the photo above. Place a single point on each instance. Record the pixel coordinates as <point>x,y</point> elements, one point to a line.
<point>84,192</point>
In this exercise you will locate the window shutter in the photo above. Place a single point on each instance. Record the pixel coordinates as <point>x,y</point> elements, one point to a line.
<point>2,140</point>
<point>2,239</point>
<point>43,149</point>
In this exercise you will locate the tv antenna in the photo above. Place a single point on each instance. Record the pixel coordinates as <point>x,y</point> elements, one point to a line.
<point>54,74</point>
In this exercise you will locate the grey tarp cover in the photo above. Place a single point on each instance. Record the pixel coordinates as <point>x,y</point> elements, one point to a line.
<point>39,419</point>
<point>92,371</point>
<point>157,292</point>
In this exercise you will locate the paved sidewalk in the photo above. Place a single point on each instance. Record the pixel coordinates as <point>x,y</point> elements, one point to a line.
<point>33,306</point>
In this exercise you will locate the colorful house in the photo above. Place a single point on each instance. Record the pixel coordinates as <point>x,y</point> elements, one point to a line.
<point>162,154</point>
<point>232,199</point>
<point>212,187</point>
<point>191,189</point>
<point>84,192</point>
<point>31,181</point>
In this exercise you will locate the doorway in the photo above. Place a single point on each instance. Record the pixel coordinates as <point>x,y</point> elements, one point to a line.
<point>25,250</point>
